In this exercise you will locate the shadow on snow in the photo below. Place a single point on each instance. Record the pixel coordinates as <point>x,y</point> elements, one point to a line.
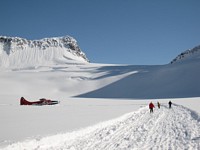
<point>166,81</point>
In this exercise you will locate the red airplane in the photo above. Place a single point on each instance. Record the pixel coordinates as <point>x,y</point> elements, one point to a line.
<point>41,101</point>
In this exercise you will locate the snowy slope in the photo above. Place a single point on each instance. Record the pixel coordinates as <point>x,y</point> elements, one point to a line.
<point>176,128</point>
<point>166,81</point>
<point>17,52</point>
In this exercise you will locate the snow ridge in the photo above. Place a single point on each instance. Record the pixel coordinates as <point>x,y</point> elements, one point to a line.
<point>188,54</point>
<point>176,128</point>
<point>15,51</point>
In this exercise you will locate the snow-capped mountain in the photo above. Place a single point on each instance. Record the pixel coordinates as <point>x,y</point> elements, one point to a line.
<point>20,52</point>
<point>193,53</point>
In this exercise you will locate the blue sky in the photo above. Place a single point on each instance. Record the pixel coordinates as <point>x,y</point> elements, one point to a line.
<point>138,32</point>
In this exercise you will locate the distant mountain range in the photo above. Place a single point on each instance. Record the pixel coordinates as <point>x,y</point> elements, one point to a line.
<point>19,52</point>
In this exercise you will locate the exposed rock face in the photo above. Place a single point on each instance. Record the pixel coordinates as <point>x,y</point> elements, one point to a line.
<point>188,54</point>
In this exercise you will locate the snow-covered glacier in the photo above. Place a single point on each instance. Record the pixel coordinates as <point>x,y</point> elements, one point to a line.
<point>90,94</point>
<point>19,52</point>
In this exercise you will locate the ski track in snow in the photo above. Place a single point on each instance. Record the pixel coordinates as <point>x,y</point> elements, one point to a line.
<point>171,129</point>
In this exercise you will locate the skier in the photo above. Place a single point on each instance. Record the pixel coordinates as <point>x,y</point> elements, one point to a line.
<point>151,106</point>
<point>158,105</point>
<point>170,104</point>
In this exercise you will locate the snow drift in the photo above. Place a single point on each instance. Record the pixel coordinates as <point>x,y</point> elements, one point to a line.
<point>18,52</point>
<point>176,128</point>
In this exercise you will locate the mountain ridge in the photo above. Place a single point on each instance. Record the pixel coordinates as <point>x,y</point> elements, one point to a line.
<point>188,54</point>
<point>59,47</point>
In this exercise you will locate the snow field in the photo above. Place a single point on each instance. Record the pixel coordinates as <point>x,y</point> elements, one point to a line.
<point>176,128</point>
<point>84,90</point>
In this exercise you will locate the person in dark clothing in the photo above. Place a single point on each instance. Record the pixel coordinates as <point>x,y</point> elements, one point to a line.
<point>170,104</point>
<point>158,105</point>
<point>151,106</point>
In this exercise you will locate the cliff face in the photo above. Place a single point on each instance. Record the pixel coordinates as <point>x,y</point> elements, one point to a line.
<point>18,52</point>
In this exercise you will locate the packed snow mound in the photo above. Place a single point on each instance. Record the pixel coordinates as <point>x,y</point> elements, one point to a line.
<point>188,55</point>
<point>175,128</point>
<point>19,52</point>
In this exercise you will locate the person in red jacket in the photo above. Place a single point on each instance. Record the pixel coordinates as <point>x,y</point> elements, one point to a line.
<point>151,106</point>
